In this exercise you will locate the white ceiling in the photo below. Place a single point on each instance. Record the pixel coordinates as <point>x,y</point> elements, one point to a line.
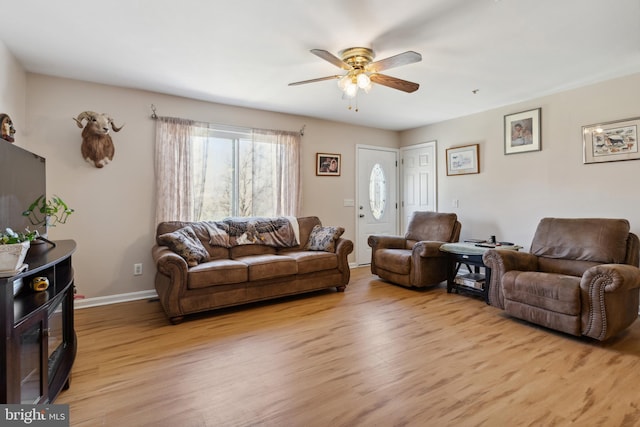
<point>245,52</point>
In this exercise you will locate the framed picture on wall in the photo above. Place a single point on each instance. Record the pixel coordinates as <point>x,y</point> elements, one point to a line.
<point>611,141</point>
<point>328,164</point>
<point>463,160</point>
<point>522,132</point>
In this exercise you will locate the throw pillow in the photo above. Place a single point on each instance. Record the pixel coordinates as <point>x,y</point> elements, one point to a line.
<point>324,238</point>
<point>185,243</point>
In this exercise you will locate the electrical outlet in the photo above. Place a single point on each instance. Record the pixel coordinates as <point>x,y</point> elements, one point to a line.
<point>137,269</point>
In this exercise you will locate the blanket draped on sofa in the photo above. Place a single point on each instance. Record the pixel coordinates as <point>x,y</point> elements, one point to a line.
<point>280,232</point>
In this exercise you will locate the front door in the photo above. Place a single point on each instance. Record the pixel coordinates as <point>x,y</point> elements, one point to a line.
<point>377,200</point>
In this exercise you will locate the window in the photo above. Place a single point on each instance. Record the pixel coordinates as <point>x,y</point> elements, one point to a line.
<point>229,172</point>
<point>377,191</point>
<point>234,176</point>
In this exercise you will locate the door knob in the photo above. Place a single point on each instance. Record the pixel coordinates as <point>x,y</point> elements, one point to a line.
<point>361,215</point>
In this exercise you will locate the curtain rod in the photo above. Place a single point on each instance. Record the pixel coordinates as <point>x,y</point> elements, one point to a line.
<point>154,116</point>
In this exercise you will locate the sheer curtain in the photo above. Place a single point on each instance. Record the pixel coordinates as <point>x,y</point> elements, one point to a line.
<point>173,167</point>
<point>179,187</point>
<point>288,185</point>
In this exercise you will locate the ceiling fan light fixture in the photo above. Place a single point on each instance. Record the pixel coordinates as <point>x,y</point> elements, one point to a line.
<point>363,80</point>
<point>344,81</point>
<point>351,90</point>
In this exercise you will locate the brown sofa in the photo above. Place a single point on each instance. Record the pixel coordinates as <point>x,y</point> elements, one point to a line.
<point>415,259</point>
<point>229,276</point>
<point>581,277</point>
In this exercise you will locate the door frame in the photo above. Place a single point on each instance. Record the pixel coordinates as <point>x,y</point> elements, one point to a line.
<point>357,188</point>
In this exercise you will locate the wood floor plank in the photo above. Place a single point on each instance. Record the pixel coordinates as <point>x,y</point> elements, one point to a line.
<point>377,354</point>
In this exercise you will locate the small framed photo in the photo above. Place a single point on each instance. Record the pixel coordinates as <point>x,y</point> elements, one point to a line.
<point>522,132</point>
<point>463,160</point>
<point>611,141</point>
<point>328,164</point>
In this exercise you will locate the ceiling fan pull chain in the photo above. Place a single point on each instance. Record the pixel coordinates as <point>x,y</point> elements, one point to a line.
<point>350,107</point>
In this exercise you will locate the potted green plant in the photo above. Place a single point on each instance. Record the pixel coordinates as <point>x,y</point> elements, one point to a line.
<point>13,249</point>
<point>48,211</point>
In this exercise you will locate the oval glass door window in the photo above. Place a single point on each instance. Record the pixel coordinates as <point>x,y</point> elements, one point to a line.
<point>377,191</point>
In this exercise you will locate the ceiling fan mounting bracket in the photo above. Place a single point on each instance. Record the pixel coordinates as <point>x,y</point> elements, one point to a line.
<point>357,57</point>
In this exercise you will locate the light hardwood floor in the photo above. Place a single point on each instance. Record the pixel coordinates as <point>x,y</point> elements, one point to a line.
<point>376,355</point>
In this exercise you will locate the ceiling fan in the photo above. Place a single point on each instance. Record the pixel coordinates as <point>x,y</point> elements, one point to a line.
<point>361,71</point>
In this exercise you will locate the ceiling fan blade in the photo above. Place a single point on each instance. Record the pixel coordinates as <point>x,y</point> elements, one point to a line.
<point>315,80</point>
<point>327,56</point>
<point>405,58</point>
<point>394,83</point>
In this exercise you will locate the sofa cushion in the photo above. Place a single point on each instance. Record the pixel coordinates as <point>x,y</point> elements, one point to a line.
<point>306,224</point>
<point>564,266</point>
<point>312,261</point>
<point>324,238</point>
<point>435,226</point>
<point>249,250</point>
<point>185,243</point>
<point>394,260</point>
<point>269,266</point>
<point>557,293</point>
<point>584,239</point>
<point>217,272</point>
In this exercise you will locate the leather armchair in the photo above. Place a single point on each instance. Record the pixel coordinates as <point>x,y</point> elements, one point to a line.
<point>580,277</point>
<point>415,260</point>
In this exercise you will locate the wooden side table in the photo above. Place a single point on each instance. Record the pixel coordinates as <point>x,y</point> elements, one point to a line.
<point>470,254</point>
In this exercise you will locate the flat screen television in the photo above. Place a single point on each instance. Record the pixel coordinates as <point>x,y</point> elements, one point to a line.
<point>22,181</point>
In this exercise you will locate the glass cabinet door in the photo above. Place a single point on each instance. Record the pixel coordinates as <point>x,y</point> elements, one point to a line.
<point>31,370</point>
<point>57,337</point>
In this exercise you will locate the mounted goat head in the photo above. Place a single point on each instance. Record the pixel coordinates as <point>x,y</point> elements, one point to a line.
<point>97,146</point>
<point>6,127</point>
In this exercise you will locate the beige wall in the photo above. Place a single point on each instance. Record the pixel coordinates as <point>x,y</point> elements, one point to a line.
<point>113,223</point>
<point>513,192</point>
<point>114,206</point>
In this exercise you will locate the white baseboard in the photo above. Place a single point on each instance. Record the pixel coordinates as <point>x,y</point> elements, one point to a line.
<point>113,299</point>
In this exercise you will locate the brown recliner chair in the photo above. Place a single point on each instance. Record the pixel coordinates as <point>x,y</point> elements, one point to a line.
<point>415,259</point>
<point>581,277</point>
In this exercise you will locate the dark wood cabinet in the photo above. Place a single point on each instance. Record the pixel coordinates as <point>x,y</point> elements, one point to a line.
<point>38,339</point>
